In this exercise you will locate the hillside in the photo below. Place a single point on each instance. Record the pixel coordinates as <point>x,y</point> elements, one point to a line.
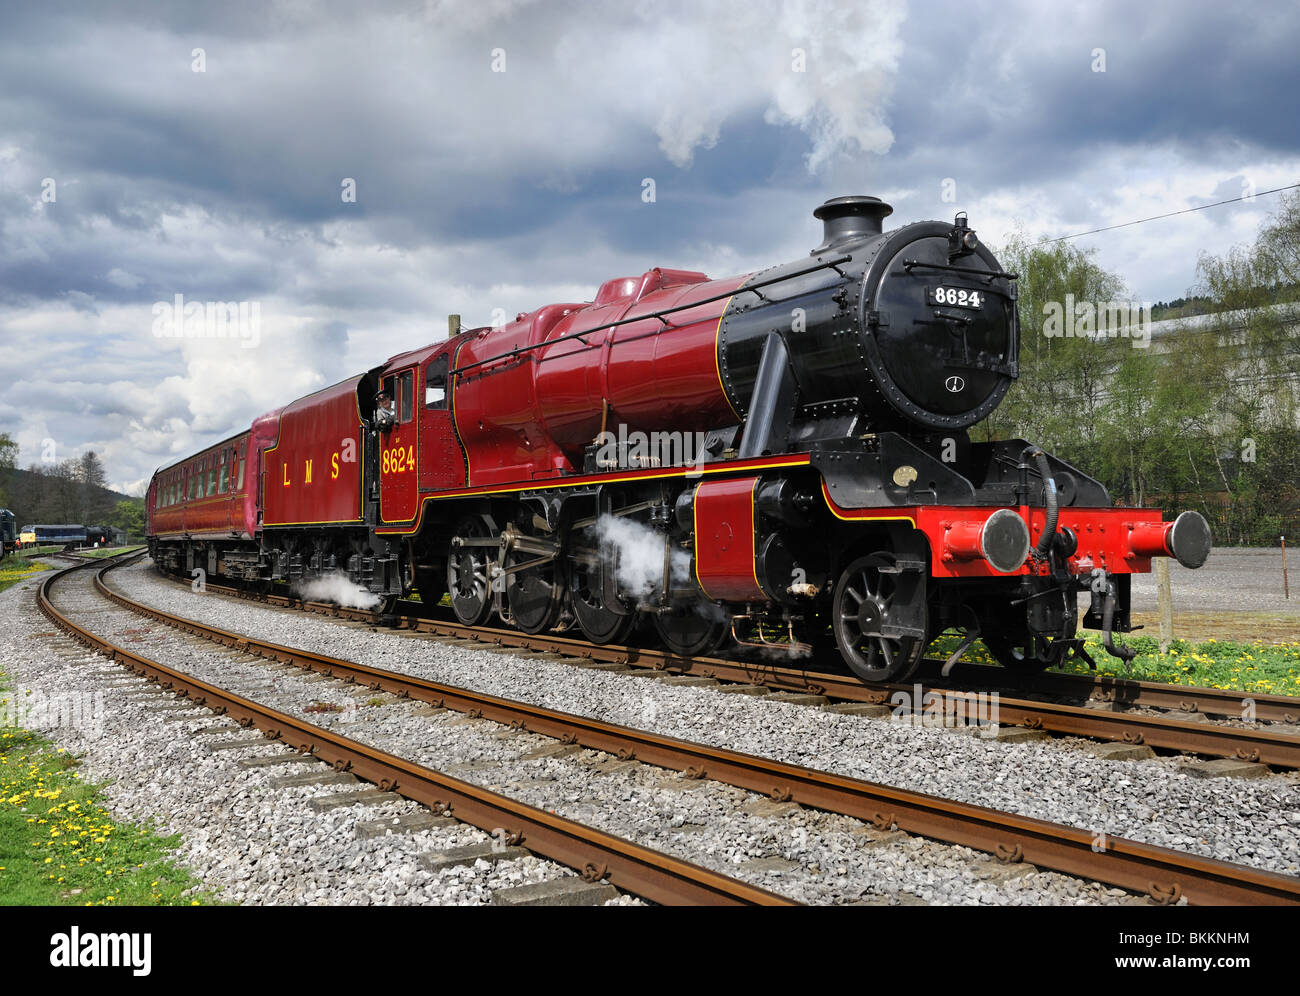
<point>35,496</point>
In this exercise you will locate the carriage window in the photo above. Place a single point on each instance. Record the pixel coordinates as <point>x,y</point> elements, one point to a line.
<point>212,476</point>
<point>223,484</point>
<point>435,383</point>
<point>239,484</point>
<point>407,393</point>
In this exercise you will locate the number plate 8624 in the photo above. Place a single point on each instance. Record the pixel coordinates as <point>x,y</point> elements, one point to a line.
<point>956,297</point>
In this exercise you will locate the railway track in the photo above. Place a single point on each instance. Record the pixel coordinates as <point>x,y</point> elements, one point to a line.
<point>1164,874</point>
<point>597,855</point>
<point>1114,721</point>
<point>1122,693</point>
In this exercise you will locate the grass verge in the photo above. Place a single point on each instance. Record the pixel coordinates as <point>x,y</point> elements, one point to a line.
<point>15,568</point>
<point>60,847</point>
<point>1267,668</point>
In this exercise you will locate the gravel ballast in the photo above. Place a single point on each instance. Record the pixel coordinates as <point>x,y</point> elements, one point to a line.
<point>245,839</point>
<point>1254,822</point>
<point>812,856</point>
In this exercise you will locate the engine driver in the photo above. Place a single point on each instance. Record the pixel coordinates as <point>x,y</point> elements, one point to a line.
<point>385,415</point>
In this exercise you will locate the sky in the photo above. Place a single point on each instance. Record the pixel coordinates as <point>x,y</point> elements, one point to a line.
<point>353,173</point>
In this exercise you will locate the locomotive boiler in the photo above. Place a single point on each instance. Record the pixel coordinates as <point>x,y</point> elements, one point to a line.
<point>779,459</point>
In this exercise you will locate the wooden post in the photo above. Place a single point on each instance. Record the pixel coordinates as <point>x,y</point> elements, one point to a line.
<point>1165,600</point>
<point>1286,585</point>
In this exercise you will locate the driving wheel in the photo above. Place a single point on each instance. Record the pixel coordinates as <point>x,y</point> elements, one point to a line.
<point>870,596</point>
<point>468,572</point>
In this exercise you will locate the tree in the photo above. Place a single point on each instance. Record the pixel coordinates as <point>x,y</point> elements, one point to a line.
<point>1057,400</point>
<point>128,515</point>
<point>1245,362</point>
<point>1207,416</point>
<point>90,475</point>
<point>1279,245</point>
<point>8,457</point>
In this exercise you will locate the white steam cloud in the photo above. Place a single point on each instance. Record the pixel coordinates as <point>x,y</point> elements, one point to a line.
<point>825,66</point>
<point>338,589</point>
<point>641,555</point>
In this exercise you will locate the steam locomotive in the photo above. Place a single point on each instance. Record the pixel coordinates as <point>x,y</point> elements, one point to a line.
<point>779,459</point>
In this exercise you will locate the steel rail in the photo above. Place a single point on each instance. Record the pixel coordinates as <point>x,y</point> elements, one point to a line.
<point>1162,873</point>
<point>1124,692</point>
<point>1280,750</point>
<point>597,855</point>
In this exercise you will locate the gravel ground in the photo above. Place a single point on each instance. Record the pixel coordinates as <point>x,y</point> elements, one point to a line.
<point>247,841</point>
<point>1252,575</point>
<point>1254,822</point>
<point>812,856</point>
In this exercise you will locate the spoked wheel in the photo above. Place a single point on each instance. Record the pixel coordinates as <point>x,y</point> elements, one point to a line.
<point>1037,653</point>
<point>689,633</point>
<point>468,568</point>
<point>864,600</point>
<point>598,623</point>
<point>535,595</point>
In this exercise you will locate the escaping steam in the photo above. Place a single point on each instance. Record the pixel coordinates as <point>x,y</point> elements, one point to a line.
<point>337,589</point>
<point>785,652</point>
<point>640,556</point>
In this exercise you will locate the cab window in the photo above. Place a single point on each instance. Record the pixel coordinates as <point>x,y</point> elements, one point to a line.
<point>435,383</point>
<point>406,392</point>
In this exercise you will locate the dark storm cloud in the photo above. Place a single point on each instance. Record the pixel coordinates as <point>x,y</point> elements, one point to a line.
<point>479,190</point>
<point>1003,98</point>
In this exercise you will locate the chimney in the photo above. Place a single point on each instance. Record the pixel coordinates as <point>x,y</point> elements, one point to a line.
<point>846,219</point>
